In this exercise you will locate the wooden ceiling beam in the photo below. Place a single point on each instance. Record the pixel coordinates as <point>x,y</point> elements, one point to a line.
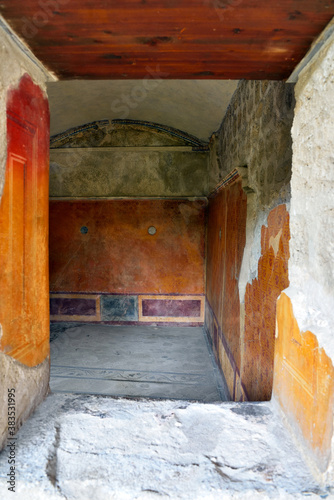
<point>229,39</point>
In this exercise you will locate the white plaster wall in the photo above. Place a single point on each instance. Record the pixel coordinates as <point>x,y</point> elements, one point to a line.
<point>30,384</point>
<point>311,265</point>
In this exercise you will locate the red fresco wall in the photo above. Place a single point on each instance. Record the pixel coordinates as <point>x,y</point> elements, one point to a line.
<point>24,291</point>
<point>260,306</point>
<point>245,353</point>
<point>104,247</point>
<point>225,245</point>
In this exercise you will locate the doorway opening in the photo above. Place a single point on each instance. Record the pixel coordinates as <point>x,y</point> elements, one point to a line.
<point>127,263</point>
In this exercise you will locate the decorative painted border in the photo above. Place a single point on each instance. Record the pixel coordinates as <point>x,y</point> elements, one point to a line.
<point>298,376</point>
<point>169,319</point>
<point>75,317</point>
<point>193,141</point>
<point>128,309</point>
<point>229,179</point>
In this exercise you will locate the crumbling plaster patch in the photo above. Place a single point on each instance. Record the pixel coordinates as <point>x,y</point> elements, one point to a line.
<point>110,159</point>
<point>127,173</point>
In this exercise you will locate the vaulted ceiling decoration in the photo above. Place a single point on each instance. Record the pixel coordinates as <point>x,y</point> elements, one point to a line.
<point>118,133</point>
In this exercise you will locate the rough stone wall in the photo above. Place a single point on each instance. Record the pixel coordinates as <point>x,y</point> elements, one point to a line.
<point>31,383</point>
<point>255,139</point>
<point>311,265</point>
<point>256,133</point>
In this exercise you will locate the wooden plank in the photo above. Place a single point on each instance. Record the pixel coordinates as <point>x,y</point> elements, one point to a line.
<point>189,38</point>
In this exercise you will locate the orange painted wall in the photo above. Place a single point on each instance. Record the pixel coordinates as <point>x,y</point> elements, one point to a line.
<point>226,239</point>
<point>118,255</point>
<point>260,306</point>
<point>304,383</point>
<point>24,291</point>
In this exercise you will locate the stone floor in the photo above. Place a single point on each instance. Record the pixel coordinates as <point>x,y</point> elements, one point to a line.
<point>81,443</point>
<point>134,361</point>
<point>84,447</point>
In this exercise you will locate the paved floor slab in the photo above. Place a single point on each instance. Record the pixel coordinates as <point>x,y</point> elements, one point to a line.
<point>83,447</point>
<point>147,361</point>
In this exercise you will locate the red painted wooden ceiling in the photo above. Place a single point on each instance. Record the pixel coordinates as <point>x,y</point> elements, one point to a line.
<point>115,39</point>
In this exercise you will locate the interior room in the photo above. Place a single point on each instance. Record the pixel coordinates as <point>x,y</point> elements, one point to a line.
<point>166,236</point>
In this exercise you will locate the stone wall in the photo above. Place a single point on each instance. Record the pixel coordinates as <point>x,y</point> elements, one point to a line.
<point>30,383</point>
<point>255,132</point>
<point>304,389</point>
<point>254,142</point>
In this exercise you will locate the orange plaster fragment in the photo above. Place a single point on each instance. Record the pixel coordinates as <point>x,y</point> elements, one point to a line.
<point>24,297</point>
<point>304,382</point>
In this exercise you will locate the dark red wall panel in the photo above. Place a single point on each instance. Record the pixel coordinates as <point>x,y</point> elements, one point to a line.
<point>225,247</point>
<point>260,305</point>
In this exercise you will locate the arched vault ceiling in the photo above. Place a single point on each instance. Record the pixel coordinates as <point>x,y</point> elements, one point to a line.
<point>194,106</point>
